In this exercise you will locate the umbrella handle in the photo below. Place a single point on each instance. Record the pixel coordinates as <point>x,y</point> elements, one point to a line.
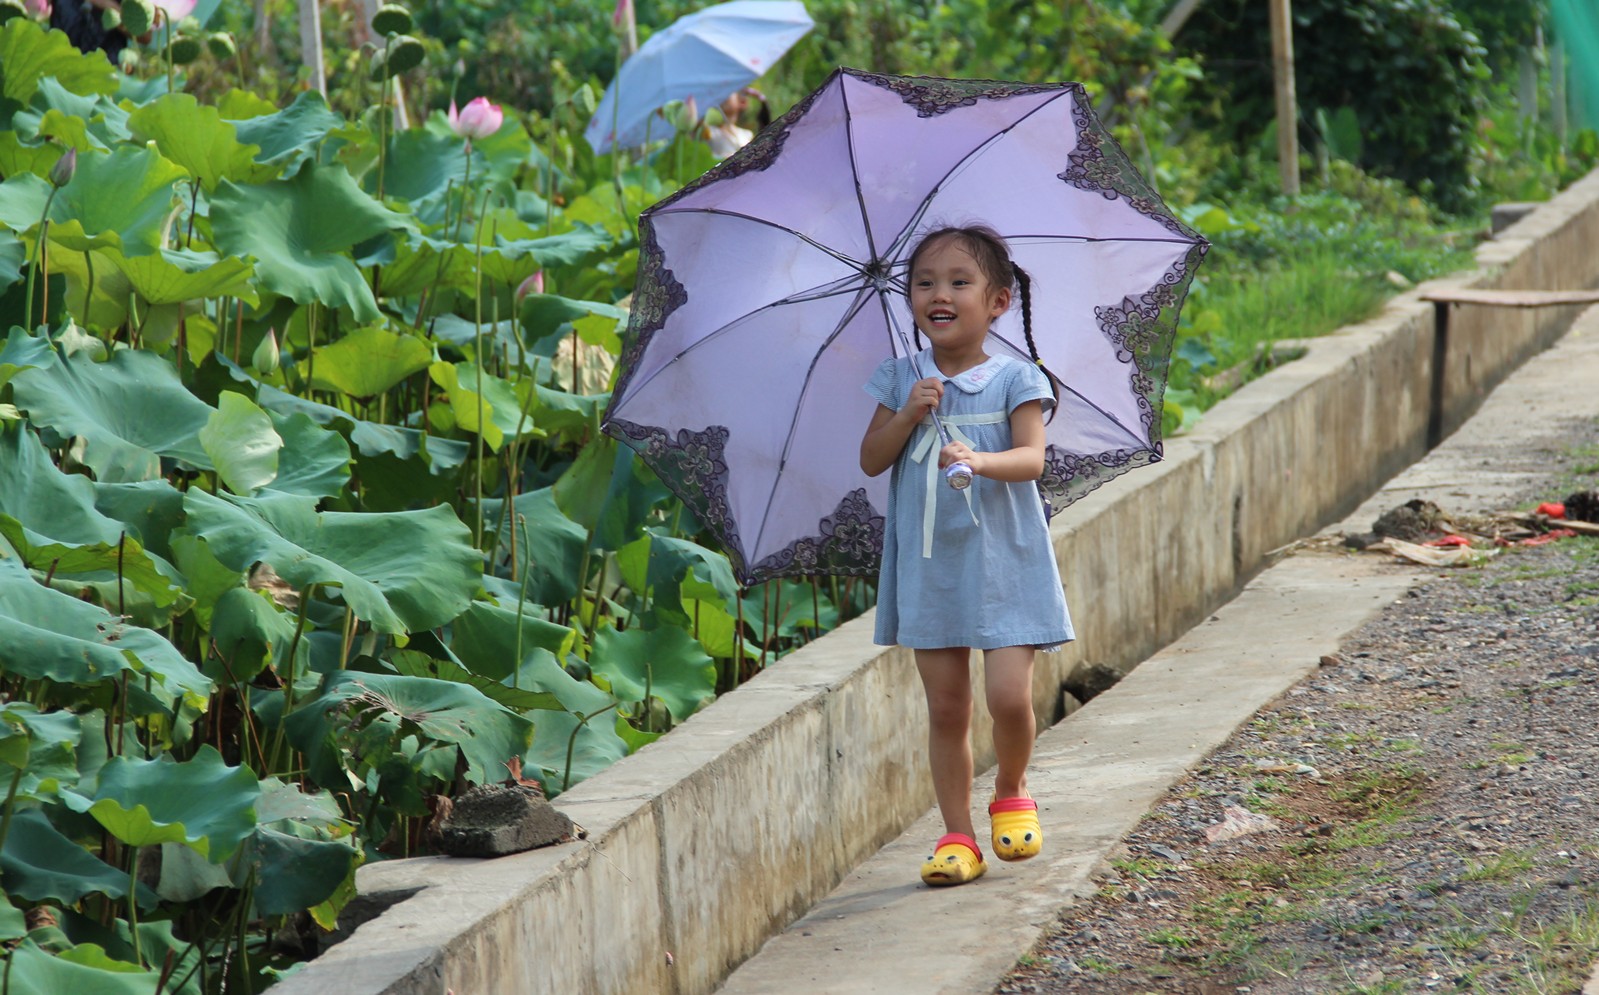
<point>958,476</point>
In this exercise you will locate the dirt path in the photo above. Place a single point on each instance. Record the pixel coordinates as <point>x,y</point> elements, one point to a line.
<point>1433,792</point>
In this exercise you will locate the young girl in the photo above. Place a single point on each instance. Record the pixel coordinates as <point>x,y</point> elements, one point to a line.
<point>972,568</point>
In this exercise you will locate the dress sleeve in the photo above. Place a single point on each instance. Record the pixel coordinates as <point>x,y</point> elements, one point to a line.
<point>884,385</point>
<point>1029,384</point>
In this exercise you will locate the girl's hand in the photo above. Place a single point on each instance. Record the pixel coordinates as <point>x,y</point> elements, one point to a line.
<point>959,452</point>
<point>924,398</point>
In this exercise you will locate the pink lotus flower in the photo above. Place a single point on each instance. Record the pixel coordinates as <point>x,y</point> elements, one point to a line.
<point>40,9</point>
<point>532,285</point>
<point>479,119</point>
<point>176,10</point>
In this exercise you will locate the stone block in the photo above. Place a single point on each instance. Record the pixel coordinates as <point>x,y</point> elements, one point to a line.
<point>493,820</point>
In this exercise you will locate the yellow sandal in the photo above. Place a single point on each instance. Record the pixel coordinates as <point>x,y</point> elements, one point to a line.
<point>955,860</point>
<point>1017,834</point>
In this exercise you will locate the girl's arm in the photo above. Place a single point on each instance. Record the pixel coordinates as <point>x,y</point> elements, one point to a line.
<point>889,430</point>
<point>1023,461</point>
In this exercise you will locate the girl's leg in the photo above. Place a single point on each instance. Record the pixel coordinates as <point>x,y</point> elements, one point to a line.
<point>1008,681</point>
<point>946,678</point>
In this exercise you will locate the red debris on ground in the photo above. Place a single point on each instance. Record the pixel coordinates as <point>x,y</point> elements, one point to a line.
<point>1554,509</point>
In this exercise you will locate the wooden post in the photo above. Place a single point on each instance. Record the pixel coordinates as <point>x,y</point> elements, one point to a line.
<point>1282,65</point>
<point>311,44</point>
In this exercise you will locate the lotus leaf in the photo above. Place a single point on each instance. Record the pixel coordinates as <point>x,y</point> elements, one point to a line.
<point>242,443</point>
<point>571,248</point>
<point>632,495</point>
<point>467,386</point>
<point>314,462</point>
<point>665,660</point>
<point>13,924</point>
<point>487,733</point>
<point>185,875</point>
<point>195,137</point>
<point>202,803</point>
<point>299,230</point>
<point>400,571</point>
<point>28,54</point>
<point>31,969</point>
<point>370,438</point>
<point>131,409</point>
<point>179,957</point>
<point>291,135</point>
<point>47,634</point>
<point>424,261</point>
<point>148,509</point>
<point>22,351</point>
<point>561,411</point>
<point>49,743</point>
<point>106,120</point>
<point>370,360</point>
<point>486,639</point>
<point>119,200</point>
<point>545,314</point>
<point>174,276</point>
<point>421,166</point>
<point>293,874</point>
<point>40,864</point>
<point>250,634</point>
<point>413,664</point>
<point>580,491</point>
<point>13,256</point>
<point>549,545</point>
<point>592,746</point>
<point>18,156</point>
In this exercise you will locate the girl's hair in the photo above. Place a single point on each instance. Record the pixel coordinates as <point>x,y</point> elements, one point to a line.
<point>988,248</point>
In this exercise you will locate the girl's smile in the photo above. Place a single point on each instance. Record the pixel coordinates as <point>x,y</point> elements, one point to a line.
<point>954,303</point>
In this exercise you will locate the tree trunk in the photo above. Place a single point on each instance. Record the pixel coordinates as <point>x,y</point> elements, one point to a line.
<point>1282,64</point>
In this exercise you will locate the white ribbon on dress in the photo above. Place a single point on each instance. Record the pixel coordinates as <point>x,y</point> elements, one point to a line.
<point>925,445</point>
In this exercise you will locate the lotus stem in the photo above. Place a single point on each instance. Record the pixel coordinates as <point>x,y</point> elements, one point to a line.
<point>11,795</point>
<point>571,742</point>
<point>88,294</point>
<point>44,235</point>
<point>383,116</point>
<point>306,594</point>
<point>133,904</point>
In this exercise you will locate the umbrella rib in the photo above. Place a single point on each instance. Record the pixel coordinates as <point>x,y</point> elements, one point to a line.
<point>865,293</point>
<point>729,326</point>
<point>855,174</point>
<point>722,212</point>
<point>963,162</point>
<point>1091,238</point>
<point>1112,419</point>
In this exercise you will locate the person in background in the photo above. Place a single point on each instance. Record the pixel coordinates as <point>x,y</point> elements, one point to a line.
<point>81,21</point>
<point>729,136</point>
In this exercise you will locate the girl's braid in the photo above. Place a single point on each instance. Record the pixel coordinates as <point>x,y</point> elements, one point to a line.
<point>1024,284</point>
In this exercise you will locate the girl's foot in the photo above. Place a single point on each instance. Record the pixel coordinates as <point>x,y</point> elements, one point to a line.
<point>955,860</point>
<point>1017,834</point>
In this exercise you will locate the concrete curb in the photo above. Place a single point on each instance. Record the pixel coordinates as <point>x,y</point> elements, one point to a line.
<point>709,842</point>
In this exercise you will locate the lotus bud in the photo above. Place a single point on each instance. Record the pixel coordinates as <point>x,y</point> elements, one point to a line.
<point>137,16</point>
<point>532,285</point>
<point>61,172</point>
<point>40,9</point>
<point>265,359</point>
<point>391,19</point>
<point>184,50</point>
<point>479,119</point>
<point>687,116</point>
<point>176,10</point>
<point>222,46</point>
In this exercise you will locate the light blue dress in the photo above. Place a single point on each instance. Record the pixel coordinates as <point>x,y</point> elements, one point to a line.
<point>973,567</point>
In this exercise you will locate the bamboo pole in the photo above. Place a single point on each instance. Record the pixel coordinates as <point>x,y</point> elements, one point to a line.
<point>311,44</point>
<point>1282,65</point>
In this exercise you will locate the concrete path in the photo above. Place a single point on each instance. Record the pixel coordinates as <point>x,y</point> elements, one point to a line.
<point>1098,772</point>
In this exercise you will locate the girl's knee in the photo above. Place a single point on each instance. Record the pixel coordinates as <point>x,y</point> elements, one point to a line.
<point>949,712</point>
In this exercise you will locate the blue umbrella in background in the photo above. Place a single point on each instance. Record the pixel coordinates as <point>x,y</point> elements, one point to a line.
<point>706,55</point>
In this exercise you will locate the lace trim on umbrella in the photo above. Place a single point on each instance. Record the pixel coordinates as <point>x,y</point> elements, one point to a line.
<point>931,95</point>
<point>849,541</point>
<point>692,466</point>
<point>659,294</point>
<point>1069,476</point>
<point>1098,163</point>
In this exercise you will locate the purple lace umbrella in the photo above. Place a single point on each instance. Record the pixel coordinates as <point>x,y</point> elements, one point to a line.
<point>770,288</point>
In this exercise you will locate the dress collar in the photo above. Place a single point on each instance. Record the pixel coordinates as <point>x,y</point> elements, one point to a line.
<point>971,381</point>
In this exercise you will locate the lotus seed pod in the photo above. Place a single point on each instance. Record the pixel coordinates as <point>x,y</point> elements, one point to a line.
<point>185,50</point>
<point>221,46</point>
<point>189,25</point>
<point>137,16</point>
<point>391,19</point>
<point>111,19</point>
<point>265,359</point>
<point>405,53</point>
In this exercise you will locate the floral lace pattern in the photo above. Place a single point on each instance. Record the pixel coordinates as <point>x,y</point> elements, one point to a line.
<point>659,294</point>
<point>1098,163</point>
<point>849,541</point>
<point>691,464</point>
<point>932,96</point>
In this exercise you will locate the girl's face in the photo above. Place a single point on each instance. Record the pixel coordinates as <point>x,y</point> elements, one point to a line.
<point>952,301</point>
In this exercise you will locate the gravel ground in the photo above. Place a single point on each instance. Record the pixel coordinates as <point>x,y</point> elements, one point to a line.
<point>1432,794</point>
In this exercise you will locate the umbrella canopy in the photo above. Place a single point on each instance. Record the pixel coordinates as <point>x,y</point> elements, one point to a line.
<point>771,287</point>
<point>705,55</point>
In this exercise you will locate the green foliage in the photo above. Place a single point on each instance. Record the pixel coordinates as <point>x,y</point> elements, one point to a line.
<point>305,498</point>
<point>1412,75</point>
